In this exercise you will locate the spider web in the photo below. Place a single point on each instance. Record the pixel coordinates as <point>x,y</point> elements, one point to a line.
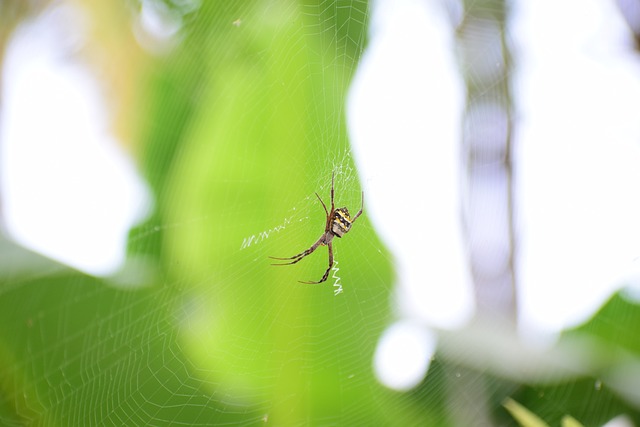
<point>244,117</point>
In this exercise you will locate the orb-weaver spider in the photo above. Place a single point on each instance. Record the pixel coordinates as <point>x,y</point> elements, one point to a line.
<point>338,224</point>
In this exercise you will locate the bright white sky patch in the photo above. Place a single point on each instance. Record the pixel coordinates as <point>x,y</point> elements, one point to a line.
<point>403,355</point>
<point>404,118</point>
<point>578,136</point>
<point>68,190</point>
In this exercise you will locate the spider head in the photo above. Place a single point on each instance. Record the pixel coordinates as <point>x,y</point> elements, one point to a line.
<point>341,222</point>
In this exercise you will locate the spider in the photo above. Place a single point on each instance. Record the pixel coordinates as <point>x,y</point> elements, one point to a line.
<point>338,224</point>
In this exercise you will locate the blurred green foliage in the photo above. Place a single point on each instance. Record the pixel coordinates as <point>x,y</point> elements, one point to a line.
<point>234,121</point>
<point>244,96</point>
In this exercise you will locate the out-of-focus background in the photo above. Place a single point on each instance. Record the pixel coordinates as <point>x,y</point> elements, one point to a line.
<point>155,153</point>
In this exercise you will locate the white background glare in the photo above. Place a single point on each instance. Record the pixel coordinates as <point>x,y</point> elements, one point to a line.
<point>402,358</point>
<point>68,190</point>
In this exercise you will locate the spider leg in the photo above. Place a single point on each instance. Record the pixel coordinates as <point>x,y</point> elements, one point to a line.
<point>360,211</point>
<point>301,255</point>
<point>323,205</point>
<point>332,177</point>
<point>326,273</point>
